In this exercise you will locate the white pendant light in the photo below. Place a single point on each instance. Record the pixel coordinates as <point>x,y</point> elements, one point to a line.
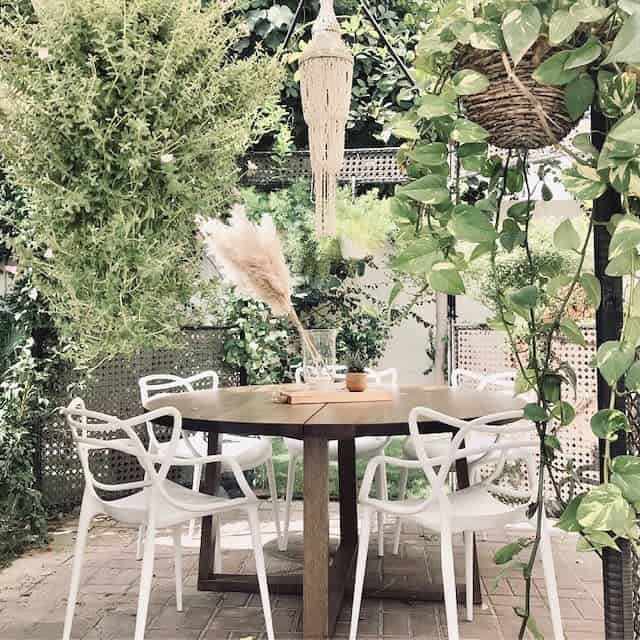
<point>326,73</point>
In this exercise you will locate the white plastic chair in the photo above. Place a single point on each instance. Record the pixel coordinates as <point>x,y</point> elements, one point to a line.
<point>157,502</point>
<point>438,444</point>
<point>366,448</point>
<point>464,511</point>
<point>249,453</point>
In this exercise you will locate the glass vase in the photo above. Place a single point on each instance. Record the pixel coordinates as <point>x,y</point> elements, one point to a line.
<point>319,357</point>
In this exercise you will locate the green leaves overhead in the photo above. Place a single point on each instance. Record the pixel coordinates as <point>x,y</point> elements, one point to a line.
<point>592,288</point>
<point>583,182</point>
<point>465,132</point>
<point>436,106</point>
<point>553,70</point>
<point>427,190</point>
<point>578,95</point>
<point>626,236</point>
<point>431,155</point>
<point>419,256</point>
<point>520,29</point>
<point>572,332</point>
<point>604,508</point>
<point>627,130</point>
<point>525,297</point>
<point>565,237</point>
<point>587,11</point>
<point>613,359</point>
<point>626,46</point>
<point>583,55</point>
<point>467,82</point>
<point>487,36</point>
<point>471,225</point>
<point>445,278</point>
<point>561,25</point>
<point>626,475</point>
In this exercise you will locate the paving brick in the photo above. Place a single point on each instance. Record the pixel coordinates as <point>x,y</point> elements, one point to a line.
<point>32,603</point>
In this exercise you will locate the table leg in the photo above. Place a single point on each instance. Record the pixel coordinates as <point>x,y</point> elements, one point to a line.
<point>348,497</point>
<point>462,476</point>
<point>316,539</point>
<point>207,538</point>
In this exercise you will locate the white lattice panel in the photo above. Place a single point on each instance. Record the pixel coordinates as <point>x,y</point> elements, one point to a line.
<point>484,351</point>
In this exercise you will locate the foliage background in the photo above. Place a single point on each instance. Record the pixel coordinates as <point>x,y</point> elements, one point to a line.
<point>379,88</point>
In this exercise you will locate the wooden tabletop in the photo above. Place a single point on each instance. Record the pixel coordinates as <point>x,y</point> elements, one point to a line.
<point>250,410</point>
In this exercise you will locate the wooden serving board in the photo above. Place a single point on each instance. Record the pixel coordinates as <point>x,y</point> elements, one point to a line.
<point>331,396</point>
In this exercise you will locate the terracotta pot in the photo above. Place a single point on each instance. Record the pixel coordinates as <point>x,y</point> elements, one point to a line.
<point>356,381</point>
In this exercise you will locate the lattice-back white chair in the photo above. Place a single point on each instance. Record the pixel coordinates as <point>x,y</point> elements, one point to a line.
<point>464,511</point>
<point>438,444</point>
<point>366,448</point>
<point>157,503</point>
<point>249,453</point>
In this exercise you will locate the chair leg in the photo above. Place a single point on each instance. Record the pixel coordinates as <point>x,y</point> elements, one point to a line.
<point>177,551</point>
<point>551,584</point>
<point>254,524</point>
<point>361,567</point>
<point>468,572</point>
<point>140,543</point>
<point>86,515</point>
<point>273,490</point>
<point>197,476</point>
<point>449,582</point>
<point>145,579</point>
<point>217,547</point>
<point>398,526</point>
<point>291,481</point>
<point>380,492</point>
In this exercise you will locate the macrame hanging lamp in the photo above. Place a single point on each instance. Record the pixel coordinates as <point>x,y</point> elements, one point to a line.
<point>326,73</point>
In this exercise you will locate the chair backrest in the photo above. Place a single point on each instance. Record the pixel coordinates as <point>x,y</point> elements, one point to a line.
<point>377,377</point>
<point>93,431</point>
<point>463,444</point>
<point>461,377</point>
<point>165,383</point>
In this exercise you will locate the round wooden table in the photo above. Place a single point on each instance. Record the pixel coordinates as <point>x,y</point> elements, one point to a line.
<point>250,411</point>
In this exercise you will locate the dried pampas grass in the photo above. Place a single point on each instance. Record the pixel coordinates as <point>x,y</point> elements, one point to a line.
<point>250,257</point>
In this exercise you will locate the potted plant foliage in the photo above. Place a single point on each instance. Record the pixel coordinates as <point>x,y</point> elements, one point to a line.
<point>356,362</point>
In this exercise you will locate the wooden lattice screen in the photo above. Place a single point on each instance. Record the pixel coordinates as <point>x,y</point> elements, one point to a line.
<point>482,350</point>
<point>113,389</point>
<point>360,167</point>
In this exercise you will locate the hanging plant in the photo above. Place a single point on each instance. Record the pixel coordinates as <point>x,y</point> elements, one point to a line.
<point>495,73</point>
<point>122,121</point>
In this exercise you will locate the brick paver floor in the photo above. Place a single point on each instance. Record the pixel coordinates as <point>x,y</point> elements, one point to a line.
<point>33,591</point>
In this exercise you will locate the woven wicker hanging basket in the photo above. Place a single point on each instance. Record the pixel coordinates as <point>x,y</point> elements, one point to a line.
<point>505,111</point>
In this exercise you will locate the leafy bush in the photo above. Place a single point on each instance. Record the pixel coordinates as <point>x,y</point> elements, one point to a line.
<point>123,121</point>
<point>328,291</point>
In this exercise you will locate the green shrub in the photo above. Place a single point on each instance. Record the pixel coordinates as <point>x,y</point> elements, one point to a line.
<point>123,121</point>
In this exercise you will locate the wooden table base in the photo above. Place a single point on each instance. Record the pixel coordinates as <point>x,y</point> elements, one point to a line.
<point>325,580</point>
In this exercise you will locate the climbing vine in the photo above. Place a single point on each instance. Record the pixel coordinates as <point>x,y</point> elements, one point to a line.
<point>545,64</point>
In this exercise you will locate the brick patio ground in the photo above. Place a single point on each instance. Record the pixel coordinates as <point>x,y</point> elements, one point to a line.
<point>33,591</point>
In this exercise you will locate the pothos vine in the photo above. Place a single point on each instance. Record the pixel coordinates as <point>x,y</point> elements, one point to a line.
<point>590,50</point>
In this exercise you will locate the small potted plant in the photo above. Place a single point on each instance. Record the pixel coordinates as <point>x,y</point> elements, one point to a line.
<point>356,379</point>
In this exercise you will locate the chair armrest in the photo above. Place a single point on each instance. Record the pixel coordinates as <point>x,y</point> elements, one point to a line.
<point>215,379</point>
<point>372,467</point>
<point>230,461</point>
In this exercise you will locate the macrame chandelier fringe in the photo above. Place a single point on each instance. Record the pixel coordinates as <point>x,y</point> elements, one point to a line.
<point>326,73</point>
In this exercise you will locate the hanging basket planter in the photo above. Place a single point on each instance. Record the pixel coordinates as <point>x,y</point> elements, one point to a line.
<point>506,111</point>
